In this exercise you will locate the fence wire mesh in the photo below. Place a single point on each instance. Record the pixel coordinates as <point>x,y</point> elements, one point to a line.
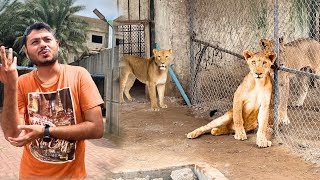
<point>222,30</point>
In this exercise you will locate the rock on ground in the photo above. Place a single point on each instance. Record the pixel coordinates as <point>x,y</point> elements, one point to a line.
<point>183,174</point>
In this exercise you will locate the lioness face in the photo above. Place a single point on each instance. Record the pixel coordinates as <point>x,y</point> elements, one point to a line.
<point>259,63</point>
<point>162,58</point>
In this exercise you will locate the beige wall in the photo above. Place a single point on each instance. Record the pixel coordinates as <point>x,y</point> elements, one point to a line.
<point>131,12</point>
<point>91,45</point>
<point>96,27</point>
<point>99,28</point>
<point>171,32</point>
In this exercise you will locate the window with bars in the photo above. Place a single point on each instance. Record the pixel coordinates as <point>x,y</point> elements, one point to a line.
<point>132,40</point>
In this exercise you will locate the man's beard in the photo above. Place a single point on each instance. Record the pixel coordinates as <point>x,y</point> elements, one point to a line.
<point>47,62</point>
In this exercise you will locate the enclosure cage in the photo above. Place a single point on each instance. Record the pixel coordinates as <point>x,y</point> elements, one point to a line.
<point>131,39</point>
<point>220,31</point>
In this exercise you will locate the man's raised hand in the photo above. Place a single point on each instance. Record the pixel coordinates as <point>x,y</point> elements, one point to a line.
<point>8,67</point>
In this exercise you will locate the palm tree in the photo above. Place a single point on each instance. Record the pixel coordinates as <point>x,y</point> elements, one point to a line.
<point>8,14</point>
<point>4,4</point>
<point>9,25</point>
<point>59,14</point>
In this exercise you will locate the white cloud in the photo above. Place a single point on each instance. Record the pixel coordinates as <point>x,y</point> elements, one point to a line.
<point>107,7</point>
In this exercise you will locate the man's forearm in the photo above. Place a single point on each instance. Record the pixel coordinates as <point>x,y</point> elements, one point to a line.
<point>81,131</point>
<point>10,115</point>
<point>91,128</point>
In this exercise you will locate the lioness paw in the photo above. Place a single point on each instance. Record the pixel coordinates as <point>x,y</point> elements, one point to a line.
<point>155,108</point>
<point>284,120</point>
<point>218,131</point>
<point>263,142</point>
<point>240,135</point>
<point>194,134</point>
<point>131,99</point>
<point>163,106</point>
<point>296,103</point>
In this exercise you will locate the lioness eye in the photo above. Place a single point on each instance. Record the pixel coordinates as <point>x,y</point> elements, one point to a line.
<point>159,56</point>
<point>264,63</point>
<point>253,63</point>
<point>167,56</point>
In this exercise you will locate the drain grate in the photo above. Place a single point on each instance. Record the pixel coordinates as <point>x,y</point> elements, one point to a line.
<point>201,171</point>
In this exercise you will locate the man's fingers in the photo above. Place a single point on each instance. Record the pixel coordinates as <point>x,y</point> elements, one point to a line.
<point>3,56</point>
<point>18,139</point>
<point>14,61</point>
<point>25,127</point>
<point>9,60</point>
<point>17,143</point>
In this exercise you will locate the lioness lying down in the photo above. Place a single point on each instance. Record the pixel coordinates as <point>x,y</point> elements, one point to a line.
<point>250,104</point>
<point>152,72</point>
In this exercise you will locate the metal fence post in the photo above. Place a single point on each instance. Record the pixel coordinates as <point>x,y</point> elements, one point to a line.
<point>191,56</point>
<point>113,117</point>
<point>276,71</point>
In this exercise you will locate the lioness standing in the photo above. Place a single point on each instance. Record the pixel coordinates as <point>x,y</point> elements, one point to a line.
<point>301,54</point>
<point>251,103</point>
<point>153,72</point>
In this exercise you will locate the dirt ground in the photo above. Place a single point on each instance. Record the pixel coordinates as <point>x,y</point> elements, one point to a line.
<point>151,139</point>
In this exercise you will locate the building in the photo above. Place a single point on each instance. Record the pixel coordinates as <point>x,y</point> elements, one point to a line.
<point>97,36</point>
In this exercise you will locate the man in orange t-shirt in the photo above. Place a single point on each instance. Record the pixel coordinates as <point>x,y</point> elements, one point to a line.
<point>50,111</point>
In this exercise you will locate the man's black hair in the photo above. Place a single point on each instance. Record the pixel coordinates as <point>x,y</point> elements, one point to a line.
<point>35,26</point>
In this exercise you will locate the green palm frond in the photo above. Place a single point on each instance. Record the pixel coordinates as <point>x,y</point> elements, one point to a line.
<point>4,4</point>
<point>59,15</point>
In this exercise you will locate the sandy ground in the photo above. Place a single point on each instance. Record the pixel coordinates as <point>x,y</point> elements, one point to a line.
<point>151,139</point>
<point>155,140</point>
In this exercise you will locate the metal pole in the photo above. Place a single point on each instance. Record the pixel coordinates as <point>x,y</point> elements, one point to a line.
<point>128,10</point>
<point>151,26</point>
<point>191,58</point>
<point>101,16</point>
<point>111,82</point>
<point>139,10</point>
<point>276,71</point>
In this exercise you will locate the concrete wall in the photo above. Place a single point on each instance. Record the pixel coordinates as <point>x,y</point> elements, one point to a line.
<point>171,32</point>
<point>96,27</point>
<point>129,9</point>
<point>99,28</point>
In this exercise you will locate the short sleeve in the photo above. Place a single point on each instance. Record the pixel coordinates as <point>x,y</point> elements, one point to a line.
<point>89,93</point>
<point>22,98</point>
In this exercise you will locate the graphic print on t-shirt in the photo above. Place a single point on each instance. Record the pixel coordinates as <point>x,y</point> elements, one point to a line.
<point>54,109</point>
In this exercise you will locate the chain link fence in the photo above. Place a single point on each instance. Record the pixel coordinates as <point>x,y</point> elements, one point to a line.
<point>222,30</point>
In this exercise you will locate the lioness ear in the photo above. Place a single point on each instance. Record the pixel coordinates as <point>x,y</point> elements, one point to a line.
<point>155,51</point>
<point>170,51</point>
<point>248,54</point>
<point>263,44</point>
<point>271,56</point>
<point>281,40</point>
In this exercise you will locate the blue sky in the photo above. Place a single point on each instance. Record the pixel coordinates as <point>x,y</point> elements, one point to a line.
<point>107,7</point>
